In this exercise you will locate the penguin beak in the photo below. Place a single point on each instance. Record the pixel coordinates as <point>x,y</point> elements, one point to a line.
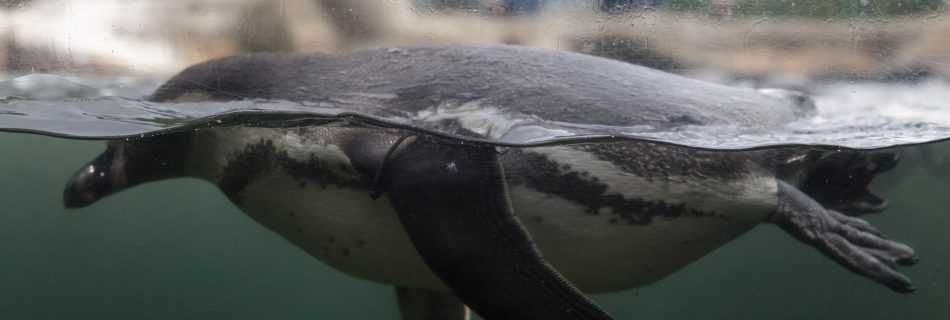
<point>92,182</point>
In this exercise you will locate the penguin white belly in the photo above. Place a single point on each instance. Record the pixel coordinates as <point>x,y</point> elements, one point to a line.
<point>601,251</point>
<point>342,227</point>
<point>360,236</point>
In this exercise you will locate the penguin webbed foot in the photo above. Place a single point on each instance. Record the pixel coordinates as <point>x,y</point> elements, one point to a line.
<point>851,242</point>
<point>839,180</point>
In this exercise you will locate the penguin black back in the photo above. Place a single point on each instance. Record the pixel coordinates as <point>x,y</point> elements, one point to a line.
<point>552,85</point>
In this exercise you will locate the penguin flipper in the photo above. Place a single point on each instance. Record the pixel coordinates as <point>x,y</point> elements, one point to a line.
<point>424,304</point>
<point>851,242</point>
<point>453,202</point>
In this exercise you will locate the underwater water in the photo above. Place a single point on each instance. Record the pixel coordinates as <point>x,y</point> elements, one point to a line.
<point>179,249</point>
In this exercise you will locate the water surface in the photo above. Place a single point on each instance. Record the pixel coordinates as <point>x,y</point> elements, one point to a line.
<point>850,115</point>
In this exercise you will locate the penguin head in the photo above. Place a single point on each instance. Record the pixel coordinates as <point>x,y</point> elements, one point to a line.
<point>125,164</point>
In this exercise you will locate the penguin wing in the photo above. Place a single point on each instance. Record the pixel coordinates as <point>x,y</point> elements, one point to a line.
<point>452,200</point>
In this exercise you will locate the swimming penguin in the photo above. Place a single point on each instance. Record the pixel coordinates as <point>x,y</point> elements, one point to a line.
<point>520,233</point>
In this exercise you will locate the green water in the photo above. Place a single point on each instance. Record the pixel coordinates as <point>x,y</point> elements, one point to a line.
<point>178,249</point>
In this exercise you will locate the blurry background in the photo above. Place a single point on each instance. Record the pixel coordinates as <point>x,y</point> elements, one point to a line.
<point>786,42</point>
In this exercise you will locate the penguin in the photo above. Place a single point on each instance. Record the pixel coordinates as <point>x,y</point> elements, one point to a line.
<point>515,232</point>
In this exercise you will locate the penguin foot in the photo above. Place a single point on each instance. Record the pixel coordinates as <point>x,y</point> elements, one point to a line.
<point>839,181</point>
<point>851,242</point>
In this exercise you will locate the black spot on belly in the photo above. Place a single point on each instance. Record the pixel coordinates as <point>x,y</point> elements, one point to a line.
<point>537,172</point>
<point>360,242</point>
<point>255,160</point>
<point>346,252</point>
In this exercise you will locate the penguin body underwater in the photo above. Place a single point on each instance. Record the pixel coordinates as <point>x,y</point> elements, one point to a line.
<point>518,234</point>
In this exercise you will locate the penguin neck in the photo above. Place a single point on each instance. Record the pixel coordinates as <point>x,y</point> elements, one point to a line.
<point>337,152</point>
